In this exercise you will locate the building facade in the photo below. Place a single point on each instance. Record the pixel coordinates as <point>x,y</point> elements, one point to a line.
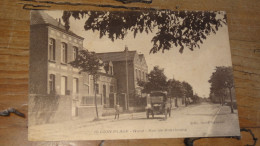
<point>57,89</point>
<point>129,68</point>
<point>52,48</point>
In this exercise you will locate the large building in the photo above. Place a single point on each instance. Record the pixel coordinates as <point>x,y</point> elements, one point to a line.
<point>129,67</point>
<point>52,48</point>
<point>56,88</point>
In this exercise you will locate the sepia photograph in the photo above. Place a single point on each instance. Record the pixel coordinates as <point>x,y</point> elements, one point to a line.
<point>105,75</point>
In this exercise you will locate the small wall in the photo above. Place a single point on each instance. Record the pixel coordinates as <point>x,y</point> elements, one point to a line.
<point>111,111</point>
<point>45,109</point>
<point>137,109</point>
<point>89,112</point>
<point>179,102</point>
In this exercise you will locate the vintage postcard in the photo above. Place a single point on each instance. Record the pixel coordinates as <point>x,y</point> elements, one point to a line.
<point>102,75</point>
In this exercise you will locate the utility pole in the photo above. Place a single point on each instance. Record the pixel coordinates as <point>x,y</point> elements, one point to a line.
<point>126,68</point>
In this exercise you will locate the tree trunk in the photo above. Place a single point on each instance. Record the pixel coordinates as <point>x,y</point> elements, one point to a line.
<point>94,79</point>
<point>176,102</point>
<point>231,104</point>
<point>185,102</point>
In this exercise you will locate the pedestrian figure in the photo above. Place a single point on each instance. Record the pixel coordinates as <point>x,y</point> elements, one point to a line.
<point>117,111</point>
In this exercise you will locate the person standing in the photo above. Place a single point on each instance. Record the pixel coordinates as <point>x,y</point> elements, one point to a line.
<point>117,111</point>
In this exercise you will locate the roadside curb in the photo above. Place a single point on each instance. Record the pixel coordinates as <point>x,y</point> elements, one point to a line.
<point>214,118</point>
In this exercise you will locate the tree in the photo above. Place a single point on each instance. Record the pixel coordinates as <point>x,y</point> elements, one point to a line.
<point>196,98</point>
<point>156,81</point>
<point>222,80</point>
<point>173,28</point>
<point>175,89</point>
<point>88,62</point>
<point>188,91</point>
<point>218,95</point>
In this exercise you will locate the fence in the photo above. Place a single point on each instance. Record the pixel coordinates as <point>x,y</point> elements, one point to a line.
<point>90,100</point>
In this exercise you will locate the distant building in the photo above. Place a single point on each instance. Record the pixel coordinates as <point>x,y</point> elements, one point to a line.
<point>136,69</point>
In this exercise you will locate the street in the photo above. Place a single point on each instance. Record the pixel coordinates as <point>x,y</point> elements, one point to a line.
<point>200,120</point>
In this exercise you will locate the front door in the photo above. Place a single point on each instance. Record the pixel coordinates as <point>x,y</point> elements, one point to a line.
<point>75,97</point>
<point>104,93</point>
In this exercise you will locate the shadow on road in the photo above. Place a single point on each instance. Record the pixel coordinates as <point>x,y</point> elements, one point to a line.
<point>155,118</point>
<point>206,114</point>
<point>147,119</point>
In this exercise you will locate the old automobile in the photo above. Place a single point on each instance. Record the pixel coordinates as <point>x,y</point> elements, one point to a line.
<point>158,104</point>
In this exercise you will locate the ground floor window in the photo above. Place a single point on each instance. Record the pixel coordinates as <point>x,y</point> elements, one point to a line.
<point>52,83</point>
<point>63,85</point>
<point>97,88</point>
<point>111,89</point>
<point>104,93</point>
<point>75,85</point>
<point>90,100</point>
<point>86,88</point>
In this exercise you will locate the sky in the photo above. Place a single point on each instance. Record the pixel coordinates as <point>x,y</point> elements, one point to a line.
<point>194,67</point>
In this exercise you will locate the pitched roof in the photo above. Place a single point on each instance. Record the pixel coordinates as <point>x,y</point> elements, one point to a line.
<point>40,17</point>
<point>116,56</point>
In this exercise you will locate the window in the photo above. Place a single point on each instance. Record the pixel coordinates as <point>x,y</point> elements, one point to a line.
<point>51,51</point>
<point>86,78</point>
<point>111,89</point>
<point>64,53</point>
<point>63,85</point>
<point>97,88</point>
<point>104,93</point>
<point>75,53</point>
<point>136,72</point>
<point>139,74</point>
<point>143,76</point>
<point>52,83</point>
<point>75,85</point>
<point>111,70</point>
<point>86,88</point>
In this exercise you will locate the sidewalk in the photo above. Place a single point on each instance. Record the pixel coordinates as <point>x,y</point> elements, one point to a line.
<point>229,122</point>
<point>109,118</point>
<point>66,126</point>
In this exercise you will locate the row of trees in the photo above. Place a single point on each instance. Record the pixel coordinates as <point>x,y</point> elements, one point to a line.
<point>221,85</point>
<point>173,29</point>
<point>157,80</point>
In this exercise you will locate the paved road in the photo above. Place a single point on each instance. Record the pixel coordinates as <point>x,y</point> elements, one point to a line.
<point>193,121</point>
